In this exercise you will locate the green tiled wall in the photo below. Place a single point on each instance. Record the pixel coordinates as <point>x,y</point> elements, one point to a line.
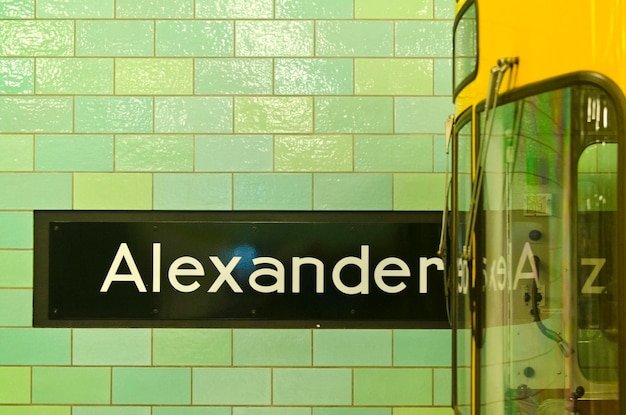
<point>218,105</point>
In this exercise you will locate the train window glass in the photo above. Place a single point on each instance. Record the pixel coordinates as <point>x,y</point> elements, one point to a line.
<point>465,47</point>
<point>463,318</point>
<point>546,240</point>
<point>596,239</point>
<point>521,244</point>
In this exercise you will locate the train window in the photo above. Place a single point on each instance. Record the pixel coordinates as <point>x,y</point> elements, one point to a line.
<point>465,47</point>
<point>463,318</point>
<point>596,241</point>
<point>545,251</point>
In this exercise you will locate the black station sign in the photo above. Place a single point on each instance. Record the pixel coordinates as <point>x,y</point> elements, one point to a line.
<point>238,269</point>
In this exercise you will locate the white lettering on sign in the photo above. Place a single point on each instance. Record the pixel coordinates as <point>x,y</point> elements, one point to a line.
<point>123,254</point>
<point>588,286</point>
<point>463,276</point>
<point>496,272</point>
<point>296,263</point>
<point>424,264</point>
<point>185,272</point>
<point>400,269</point>
<point>362,263</point>
<point>527,256</point>
<point>225,274</point>
<point>177,270</point>
<point>278,273</point>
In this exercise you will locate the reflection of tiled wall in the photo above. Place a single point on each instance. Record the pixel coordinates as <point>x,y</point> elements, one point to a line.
<point>218,105</point>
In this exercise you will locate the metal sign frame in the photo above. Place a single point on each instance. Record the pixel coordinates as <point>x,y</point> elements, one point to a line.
<point>238,269</point>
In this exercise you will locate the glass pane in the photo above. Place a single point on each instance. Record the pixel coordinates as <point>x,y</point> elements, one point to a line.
<point>545,244</point>
<point>463,317</point>
<point>523,246</point>
<point>596,328</point>
<point>597,301</point>
<point>465,46</point>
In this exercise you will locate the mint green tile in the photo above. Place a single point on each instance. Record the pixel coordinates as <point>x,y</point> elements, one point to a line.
<point>188,410</point>
<point>16,152</point>
<point>16,269</point>
<point>71,385</point>
<point>313,76</point>
<point>95,114</point>
<point>75,9</point>
<point>393,153</point>
<point>36,114</point>
<point>234,9</point>
<point>154,76</point>
<point>35,410</point>
<point>273,115</point>
<point>111,347</point>
<point>193,191</point>
<point>422,114</point>
<point>74,153</point>
<point>272,347</point>
<point>274,38</point>
<point>352,191</point>
<point>111,410</point>
<point>236,76</point>
<point>354,115</point>
<point>352,348</point>
<point>37,38</point>
<point>423,411</point>
<point>232,386</point>
<point>424,39</point>
<point>114,191</point>
<point>153,386</point>
<point>351,411</point>
<point>35,191</point>
<point>418,191</point>
<point>27,346</point>
<point>441,160</point>
<point>313,153</point>
<point>443,77</point>
<point>16,308</point>
<point>393,9</point>
<point>16,230</point>
<point>154,153</point>
<point>266,410</point>
<point>155,9</point>
<point>193,115</point>
<point>17,76</point>
<point>194,38</point>
<point>443,387</point>
<point>114,38</point>
<point>269,191</point>
<point>444,10</point>
<point>422,348</point>
<point>192,347</point>
<point>14,385</point>
<point>393,77</point>
<point>17,9</point>
<point>240,153</point>
<point>312,387</point>
<point>354,38</point>
<point>393,387</point>
<point>319,9</point>
<point>74,76</point>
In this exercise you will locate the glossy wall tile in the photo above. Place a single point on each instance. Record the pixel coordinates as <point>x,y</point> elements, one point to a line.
<point>218,105</point>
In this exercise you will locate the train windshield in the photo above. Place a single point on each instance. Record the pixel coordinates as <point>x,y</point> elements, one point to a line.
<point>465,46</point>
<point>546,255</point>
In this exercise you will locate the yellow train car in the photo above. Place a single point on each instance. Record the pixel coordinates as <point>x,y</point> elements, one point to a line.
<point>535,217</point>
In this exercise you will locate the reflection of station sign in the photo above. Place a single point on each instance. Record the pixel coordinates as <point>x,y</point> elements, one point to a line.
<point>238,269</point>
